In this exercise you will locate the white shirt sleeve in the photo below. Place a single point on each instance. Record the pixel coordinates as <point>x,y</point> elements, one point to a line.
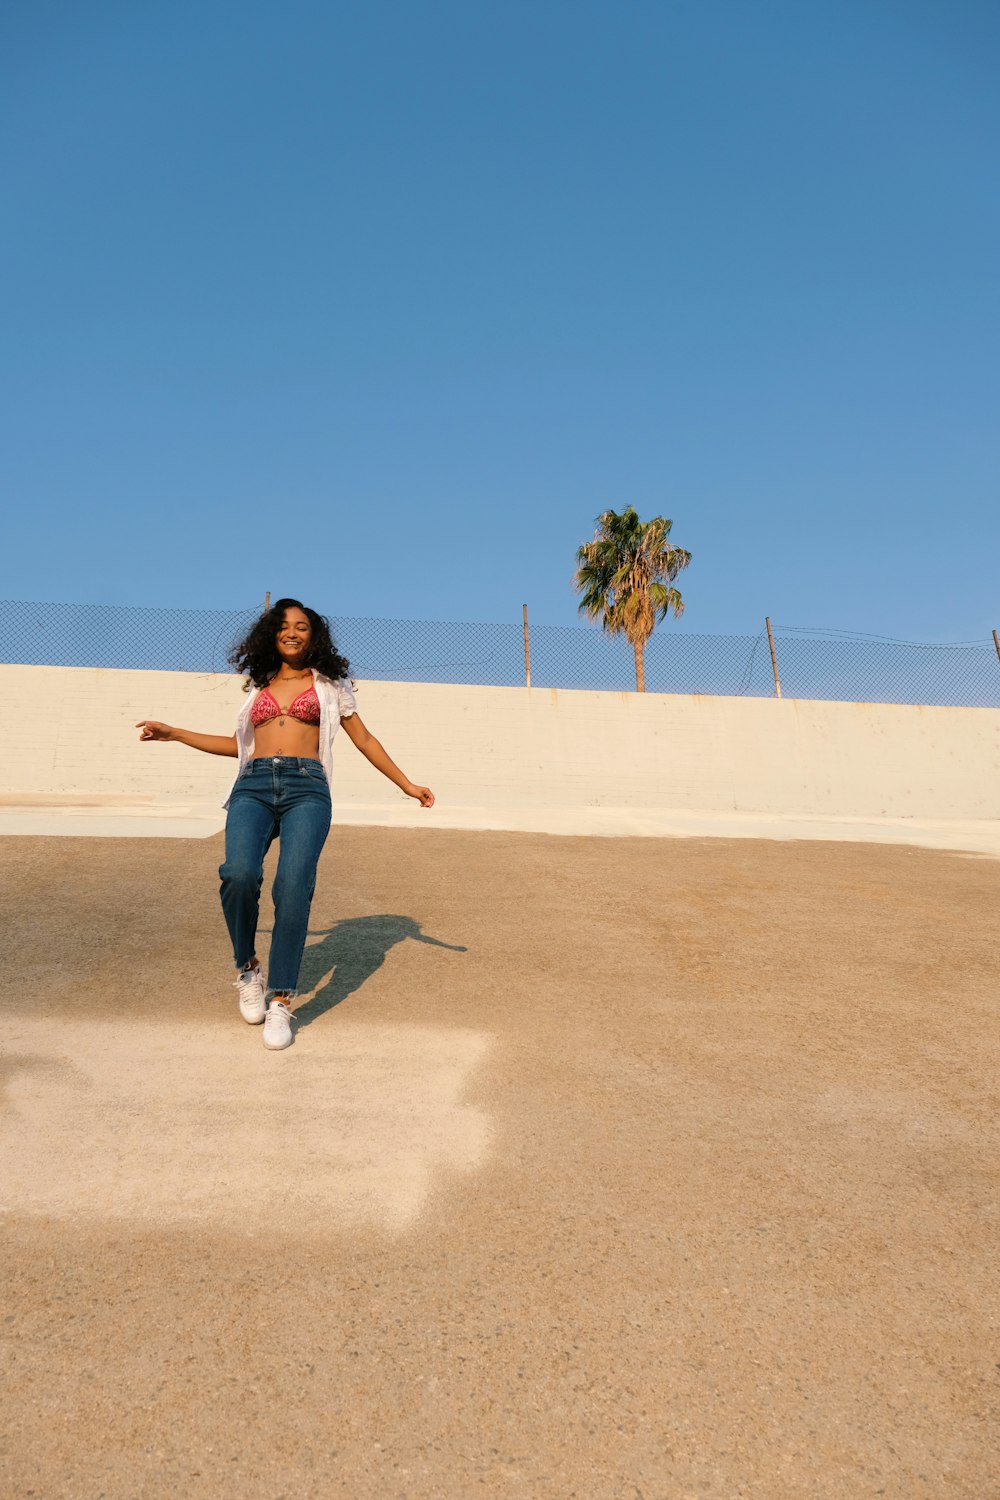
<point>345,695</point>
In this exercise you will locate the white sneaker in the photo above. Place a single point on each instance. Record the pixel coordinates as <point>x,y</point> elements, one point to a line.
<point>252,991</point>
<point>277,1026</point>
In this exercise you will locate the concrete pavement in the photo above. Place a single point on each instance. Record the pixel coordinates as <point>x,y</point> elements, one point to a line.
<point>600,1167</point>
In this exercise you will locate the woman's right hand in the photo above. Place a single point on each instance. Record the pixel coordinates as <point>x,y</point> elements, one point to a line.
<point>152,729</point>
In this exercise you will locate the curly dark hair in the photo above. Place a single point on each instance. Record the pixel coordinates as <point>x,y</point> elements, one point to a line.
<point>257,653</point>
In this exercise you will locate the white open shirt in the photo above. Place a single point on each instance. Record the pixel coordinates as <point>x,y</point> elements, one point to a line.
<point>336,702</point>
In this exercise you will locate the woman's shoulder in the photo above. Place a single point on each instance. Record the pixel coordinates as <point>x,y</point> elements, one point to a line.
<point>252,694</point>
<point>338,695</point>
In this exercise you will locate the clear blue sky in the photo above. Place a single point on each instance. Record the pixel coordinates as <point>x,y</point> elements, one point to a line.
<point>380,304</point>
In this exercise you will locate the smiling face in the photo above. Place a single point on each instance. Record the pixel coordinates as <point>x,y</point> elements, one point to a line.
<point>294,636</point>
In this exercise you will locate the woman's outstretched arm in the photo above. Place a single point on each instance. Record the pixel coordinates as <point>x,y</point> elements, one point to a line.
<point>212,744</point>
<point>373,751</point>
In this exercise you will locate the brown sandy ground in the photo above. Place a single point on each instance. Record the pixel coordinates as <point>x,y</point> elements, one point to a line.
<point>674,1175</point>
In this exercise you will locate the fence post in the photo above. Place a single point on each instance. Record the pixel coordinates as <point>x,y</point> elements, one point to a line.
<point>996,643</point>
<point>267,601</point>
<point>774,659</point>
<point>527,648</point>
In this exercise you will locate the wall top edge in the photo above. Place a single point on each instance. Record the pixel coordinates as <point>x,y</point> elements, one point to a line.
<point>536,694</point>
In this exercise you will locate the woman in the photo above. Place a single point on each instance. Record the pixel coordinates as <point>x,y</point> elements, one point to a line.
<point>284,742</point>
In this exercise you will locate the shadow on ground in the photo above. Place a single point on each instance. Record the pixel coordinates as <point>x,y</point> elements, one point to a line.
<point>348,954</point>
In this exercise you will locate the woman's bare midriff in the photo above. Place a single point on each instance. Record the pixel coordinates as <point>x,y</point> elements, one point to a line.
<point>295,738</point>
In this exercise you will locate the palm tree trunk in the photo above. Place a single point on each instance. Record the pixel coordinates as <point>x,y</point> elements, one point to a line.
<point>640,670</point>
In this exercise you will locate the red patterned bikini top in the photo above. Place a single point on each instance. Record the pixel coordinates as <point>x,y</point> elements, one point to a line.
<point>305,708</point>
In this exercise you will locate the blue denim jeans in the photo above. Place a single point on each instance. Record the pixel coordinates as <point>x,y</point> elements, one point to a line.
<point>276,797</point>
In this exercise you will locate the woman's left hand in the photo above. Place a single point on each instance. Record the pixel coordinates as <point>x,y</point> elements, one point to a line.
<point>423,794</point>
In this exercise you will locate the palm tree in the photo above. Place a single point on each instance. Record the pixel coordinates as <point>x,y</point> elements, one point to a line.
<point>626,576</point>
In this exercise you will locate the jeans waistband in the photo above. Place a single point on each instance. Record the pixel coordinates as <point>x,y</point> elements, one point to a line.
<point>284,760</point>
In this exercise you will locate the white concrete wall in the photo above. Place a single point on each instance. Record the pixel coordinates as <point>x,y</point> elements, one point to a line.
<point>69,731</point>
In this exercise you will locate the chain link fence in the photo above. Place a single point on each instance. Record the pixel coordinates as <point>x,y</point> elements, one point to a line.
<point>811,663</point>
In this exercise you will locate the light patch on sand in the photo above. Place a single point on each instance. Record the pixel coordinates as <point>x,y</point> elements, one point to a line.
<point>179,1122</point>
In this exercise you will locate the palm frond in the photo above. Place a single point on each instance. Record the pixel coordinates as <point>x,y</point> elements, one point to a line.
<point>625,575</point>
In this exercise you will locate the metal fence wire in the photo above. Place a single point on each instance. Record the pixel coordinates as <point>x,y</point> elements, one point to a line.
<point>811,663</point>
